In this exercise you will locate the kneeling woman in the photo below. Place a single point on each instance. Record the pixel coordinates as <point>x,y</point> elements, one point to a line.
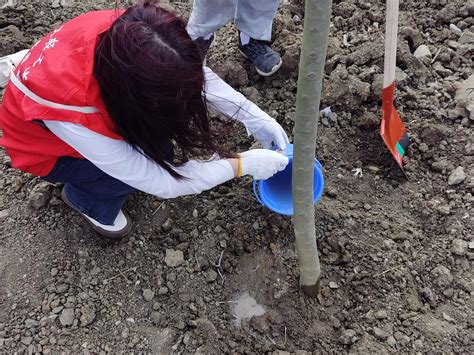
<point>113,102</point>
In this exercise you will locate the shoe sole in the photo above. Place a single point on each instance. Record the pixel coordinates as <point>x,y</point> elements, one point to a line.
<point>104,233</point>
<point>273,71</point>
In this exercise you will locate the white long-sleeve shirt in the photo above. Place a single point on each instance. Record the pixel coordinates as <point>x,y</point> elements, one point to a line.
<point>120,160</point>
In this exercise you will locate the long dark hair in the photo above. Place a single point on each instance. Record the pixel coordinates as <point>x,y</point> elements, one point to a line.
<point>151,78</point>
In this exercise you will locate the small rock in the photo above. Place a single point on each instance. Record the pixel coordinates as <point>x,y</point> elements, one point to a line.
<point>174,258</point>
<point>148,294</point>
<point>457,176</point>
<point>163,341</point>
<point>167,225</point>
<point>4,214</point>
<point>233,73</point>
<point>31,323</point>
<point>348,337</point>
<point>87,315</point>
<point>400,75</point>
<point>251,93</point>
<point>467,37</point>
<point>48,321</point>
<point>163,290</point>
<point>423,147</point>
<point>55,4</point>
<point>204,327</point>
<point>368,120</point>
<point>290,60</point>
<point>459,247</point>
<point>381,314</point>
<point>331,192</point>
<point>40,195</point>
<point>455,29</point>
<point>211,276</point>
<point>373,169</point>
<point>391,341</point>
<point>449,292</point>
<point>96,271</point>
<point>447,13</point>
<point>448,317</point>
<point>428,295</point>
<point>439,165</point>
<point>155,317</point>
<point>66,3</point>
<point>333,285</point>
<point>12,31</point>
<point>400,237</point>
<point>422,51</point>
<point>380,334</point>
<point>260,324</point>
<point>125,333</point>
<point>57,310</point>
<point>67,316</point>
<point>212,215</point>
<point>443,274</point>
<point>26,340</point>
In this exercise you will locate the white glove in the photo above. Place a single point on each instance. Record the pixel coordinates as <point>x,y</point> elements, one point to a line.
<point>270,134</point>
<point>262,163</point>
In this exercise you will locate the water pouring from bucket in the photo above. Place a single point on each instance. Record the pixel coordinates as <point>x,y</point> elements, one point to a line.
<point>276,194</point>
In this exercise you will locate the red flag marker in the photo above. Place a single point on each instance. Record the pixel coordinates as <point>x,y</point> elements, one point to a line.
<point>392,129</point>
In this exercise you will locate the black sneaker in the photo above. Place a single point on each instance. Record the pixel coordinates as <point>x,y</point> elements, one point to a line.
<point>204,45</point>
<point>265,59</point>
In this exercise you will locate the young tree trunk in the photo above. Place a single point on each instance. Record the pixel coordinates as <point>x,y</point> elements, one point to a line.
<point>311,70</point>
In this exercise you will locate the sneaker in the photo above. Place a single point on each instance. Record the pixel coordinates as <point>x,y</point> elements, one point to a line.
<point>122,225</point>
<point>265,59</point>
<point>204,45</point>
<point>6,66</point>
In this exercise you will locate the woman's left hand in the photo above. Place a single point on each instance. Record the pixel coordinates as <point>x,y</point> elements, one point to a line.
<point>271,134</point>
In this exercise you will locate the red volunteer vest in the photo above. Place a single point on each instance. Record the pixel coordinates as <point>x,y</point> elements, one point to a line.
<point>55,82</point>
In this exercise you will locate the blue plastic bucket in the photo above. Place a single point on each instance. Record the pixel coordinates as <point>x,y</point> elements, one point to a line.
<point>276,194</point>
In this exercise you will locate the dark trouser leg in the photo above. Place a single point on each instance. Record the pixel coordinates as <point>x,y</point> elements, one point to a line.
<point>92,191</point>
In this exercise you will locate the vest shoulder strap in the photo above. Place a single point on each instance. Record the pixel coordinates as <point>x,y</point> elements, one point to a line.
<point>20,86</point>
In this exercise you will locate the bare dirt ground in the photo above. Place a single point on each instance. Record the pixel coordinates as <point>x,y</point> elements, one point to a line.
<point>396,253</point>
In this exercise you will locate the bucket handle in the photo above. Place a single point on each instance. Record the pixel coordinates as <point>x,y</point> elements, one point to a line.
<point>257,194</point>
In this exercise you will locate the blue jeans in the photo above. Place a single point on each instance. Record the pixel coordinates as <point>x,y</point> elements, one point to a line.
<point>92,191</point>
<point>253,17</point>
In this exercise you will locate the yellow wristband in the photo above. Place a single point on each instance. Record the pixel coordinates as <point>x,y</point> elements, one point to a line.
<point>239,166</point>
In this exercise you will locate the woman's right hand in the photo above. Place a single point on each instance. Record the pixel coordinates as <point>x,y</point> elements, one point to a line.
<point>262,163</point>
